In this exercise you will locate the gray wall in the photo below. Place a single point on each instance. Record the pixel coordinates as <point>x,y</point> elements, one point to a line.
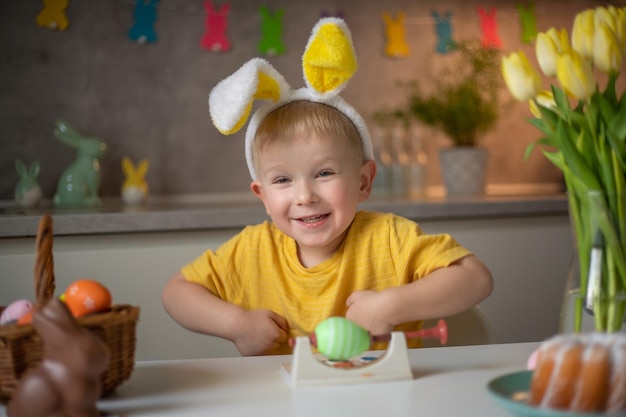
<point>150,101</point>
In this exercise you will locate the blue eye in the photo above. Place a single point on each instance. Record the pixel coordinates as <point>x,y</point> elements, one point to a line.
<point>281,180</point>
<point>325,173</point>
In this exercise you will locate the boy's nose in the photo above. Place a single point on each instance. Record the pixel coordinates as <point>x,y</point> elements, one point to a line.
<point>305,194</point>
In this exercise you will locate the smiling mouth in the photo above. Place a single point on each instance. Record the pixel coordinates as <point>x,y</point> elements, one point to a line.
<point>313,219</point>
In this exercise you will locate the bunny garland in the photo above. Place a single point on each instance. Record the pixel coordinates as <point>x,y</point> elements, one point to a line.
<point>145,15</point>
<point>328,63</point>
<point>53,15</point>
<point>216,22</point>
<point>395,33</point>
<point>271,42</point>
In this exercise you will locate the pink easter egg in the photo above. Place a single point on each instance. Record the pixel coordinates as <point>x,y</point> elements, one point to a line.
<point>15,310</point>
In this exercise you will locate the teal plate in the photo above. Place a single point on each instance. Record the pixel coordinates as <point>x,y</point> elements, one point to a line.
<point>510,391</point>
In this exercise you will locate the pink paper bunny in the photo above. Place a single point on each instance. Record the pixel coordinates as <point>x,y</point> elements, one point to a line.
<point>489,27</point>
<point>215,38</point>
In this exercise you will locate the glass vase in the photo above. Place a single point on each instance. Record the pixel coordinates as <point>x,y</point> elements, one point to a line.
<point>595,297</point>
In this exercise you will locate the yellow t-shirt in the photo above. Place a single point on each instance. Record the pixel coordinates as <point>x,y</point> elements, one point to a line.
<point>259,269</point>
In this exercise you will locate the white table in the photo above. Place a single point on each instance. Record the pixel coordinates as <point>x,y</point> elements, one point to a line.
<point>448,381</point>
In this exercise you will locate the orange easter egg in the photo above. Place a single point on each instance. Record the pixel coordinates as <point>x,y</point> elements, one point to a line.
<point>26,318</point>
<point>86,296</point>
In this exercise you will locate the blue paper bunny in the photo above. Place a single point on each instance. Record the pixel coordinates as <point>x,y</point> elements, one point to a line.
<point>444,32</point>
<point>145,16</point>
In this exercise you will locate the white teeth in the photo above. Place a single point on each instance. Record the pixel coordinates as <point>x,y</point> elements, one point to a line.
<point>311,219</point>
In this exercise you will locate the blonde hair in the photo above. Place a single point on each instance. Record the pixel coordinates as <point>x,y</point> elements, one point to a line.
<point>306,117</point>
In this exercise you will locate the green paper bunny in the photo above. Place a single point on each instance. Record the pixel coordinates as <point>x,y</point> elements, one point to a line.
<point>271,42</point>
<point>527,21</point>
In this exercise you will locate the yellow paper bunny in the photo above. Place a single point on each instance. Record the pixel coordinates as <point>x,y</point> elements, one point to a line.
<point>396,45</point>
<point>135,187</point>
<point>53,16</point>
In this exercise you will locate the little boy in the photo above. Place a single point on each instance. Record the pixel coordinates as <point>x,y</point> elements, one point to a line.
<point>310,158</point>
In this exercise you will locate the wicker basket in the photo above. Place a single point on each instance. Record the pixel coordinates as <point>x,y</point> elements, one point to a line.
<point>21,347</point>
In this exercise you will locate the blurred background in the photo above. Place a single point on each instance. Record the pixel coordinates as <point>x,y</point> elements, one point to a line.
<point>149,101</point>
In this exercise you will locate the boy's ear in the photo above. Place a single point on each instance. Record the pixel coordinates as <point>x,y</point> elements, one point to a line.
<point>257,190</point>
<point>368,172</point>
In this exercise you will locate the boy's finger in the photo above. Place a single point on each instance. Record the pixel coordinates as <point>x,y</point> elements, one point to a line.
<point>280,321</point>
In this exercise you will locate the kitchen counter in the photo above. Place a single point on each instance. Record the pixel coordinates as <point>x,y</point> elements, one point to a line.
<point>221,211</point>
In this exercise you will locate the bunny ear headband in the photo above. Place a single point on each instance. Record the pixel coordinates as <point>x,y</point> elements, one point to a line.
<point>328,63</point>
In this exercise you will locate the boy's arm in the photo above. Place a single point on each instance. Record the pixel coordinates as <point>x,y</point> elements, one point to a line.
<point>197,309</point>
<point>441,293</point>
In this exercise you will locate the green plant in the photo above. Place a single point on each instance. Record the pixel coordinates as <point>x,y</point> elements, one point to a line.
<point>464,102</point>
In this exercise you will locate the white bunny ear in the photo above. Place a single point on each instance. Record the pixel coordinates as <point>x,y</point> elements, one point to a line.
<point>230,102</point>
<point>329,60</point>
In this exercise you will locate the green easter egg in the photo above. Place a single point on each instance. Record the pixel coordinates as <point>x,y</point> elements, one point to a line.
<point>340,339</point>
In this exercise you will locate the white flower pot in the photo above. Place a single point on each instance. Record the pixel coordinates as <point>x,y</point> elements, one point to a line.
<point>464,170</point>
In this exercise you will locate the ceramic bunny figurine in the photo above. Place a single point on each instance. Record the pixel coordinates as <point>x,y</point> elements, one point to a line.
<point>135,187</point>
<point>67,382</point>
<point>27,190</point>
<point>79,182</point>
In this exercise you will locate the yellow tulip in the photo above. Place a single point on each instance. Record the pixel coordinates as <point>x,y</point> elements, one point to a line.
<point>583,34</point>
<point>521,78</point>
<point>548,47</point>
<point>607,54</point>
<point>620,28</point>
<point>607,15</point>
<point>544,99</point>
<point>575,75</point>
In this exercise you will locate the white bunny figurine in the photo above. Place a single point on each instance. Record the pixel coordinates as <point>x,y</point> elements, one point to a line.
<point>27,190</point>
<point>79,182</point>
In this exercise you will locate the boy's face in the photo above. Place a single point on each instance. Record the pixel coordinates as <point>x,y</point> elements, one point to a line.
<point>311,187</point>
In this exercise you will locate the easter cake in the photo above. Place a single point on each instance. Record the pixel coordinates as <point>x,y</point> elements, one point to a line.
<point>581,373</point>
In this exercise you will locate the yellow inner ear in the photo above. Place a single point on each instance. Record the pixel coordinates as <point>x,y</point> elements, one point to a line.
<point>329,61</point>
<point>267,89</point>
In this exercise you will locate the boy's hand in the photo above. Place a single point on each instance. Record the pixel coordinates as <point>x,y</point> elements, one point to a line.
<point>260,331</point>
<point>366,309</point>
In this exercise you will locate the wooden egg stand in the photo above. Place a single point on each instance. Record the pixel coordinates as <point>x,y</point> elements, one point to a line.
<point>307,370</point>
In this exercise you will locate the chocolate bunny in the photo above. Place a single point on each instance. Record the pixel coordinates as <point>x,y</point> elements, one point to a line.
<point>67,382</point>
